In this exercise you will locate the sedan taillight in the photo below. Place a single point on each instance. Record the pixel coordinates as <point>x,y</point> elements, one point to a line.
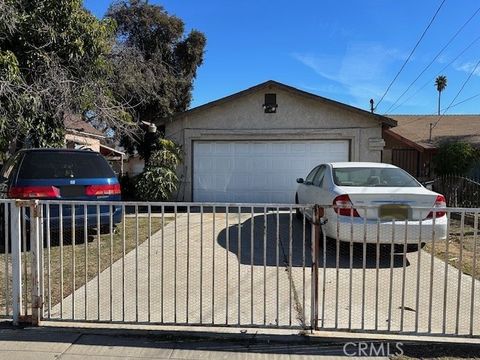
<point>98,190</point>
<point>440,202</point>
<point>33,192</point>
<point>343,206</point>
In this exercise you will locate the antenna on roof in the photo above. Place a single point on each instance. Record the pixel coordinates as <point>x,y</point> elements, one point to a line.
<point>372,108</point>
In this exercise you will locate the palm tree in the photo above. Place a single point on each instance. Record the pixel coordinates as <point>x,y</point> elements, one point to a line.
<point>441,84</point>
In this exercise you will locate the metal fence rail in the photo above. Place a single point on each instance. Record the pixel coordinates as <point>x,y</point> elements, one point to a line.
<point>244,265</point>
<point>5,263</point>
<point>202,264</point>
<point>378,281</point>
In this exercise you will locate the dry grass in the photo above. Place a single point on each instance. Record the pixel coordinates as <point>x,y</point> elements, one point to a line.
<point>455,244</point>
<point>108,248</point>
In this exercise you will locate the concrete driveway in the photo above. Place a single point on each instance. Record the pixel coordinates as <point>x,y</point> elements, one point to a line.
<point>202,273</point>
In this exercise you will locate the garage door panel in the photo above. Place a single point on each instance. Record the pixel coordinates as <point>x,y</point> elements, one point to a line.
<point>258,171</point>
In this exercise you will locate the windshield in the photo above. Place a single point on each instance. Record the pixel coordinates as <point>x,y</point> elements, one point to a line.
<point>373,177</point>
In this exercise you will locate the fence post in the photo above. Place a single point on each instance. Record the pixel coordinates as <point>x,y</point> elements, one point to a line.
<point>37,301</point>
<point>315,251</point>
<point>15,237</point>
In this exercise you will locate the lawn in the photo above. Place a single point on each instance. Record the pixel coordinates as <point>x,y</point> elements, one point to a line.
<point>109,251</point>
<point>454,247</point>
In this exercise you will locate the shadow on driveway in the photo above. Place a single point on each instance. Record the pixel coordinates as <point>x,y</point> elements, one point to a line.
<point>263,249</point>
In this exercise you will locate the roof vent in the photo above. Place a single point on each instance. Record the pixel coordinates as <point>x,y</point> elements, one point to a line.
<point>270,104</point>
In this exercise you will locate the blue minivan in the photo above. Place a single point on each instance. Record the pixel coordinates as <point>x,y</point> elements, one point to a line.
<point>64,174</point>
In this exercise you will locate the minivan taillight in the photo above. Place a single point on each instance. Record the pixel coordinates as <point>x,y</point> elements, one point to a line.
<point>99,190</point>
<point>440,202</point>
<point>343,206</point>
<point>33,192</point>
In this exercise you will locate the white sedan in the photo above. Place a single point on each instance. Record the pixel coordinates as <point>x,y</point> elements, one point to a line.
<point>360,197</point>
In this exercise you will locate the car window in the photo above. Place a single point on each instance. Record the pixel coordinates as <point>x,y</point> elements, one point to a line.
<point>61,165</point>
<point>373,177</point>
<point>309,178</point>
<point>318,179</point>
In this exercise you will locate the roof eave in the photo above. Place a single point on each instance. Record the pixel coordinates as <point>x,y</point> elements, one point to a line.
<point>409,142</point>
<point>382,119</point>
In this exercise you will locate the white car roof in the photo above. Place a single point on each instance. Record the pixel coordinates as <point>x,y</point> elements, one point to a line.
<point>361,164</point>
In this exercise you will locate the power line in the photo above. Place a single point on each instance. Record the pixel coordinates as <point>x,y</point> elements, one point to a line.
<point>435,58</point>
<point>464,101</point>
<point>411,53</point>
<point>444,68</point>
<point>434,114</point>
<point>458,93</point>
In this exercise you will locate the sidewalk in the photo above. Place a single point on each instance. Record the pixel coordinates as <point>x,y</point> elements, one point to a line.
<point>84,343</point>
<point>40,344</point>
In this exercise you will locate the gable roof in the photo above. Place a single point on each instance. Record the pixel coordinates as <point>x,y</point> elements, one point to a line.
<point>77,124</point>
<point>416,129</point>
<point>271,83</point>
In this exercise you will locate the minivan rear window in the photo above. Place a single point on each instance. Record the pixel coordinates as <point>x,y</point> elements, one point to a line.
<point>61,165</point>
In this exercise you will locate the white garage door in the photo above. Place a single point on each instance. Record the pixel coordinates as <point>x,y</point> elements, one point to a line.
<point>258,171</point>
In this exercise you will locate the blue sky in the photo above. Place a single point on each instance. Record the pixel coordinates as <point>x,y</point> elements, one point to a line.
<point>348,50</point>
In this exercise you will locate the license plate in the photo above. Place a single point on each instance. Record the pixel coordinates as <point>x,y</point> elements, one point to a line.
<point>72,191</point>
<point>394,212</point>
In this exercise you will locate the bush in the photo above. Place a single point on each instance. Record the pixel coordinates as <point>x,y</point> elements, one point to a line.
<point>455,158</point>
<point>159,180</point>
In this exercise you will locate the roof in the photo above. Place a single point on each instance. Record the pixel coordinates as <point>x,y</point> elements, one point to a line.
<point>59,150</point>
<point>361,165</point>
<point>267,84</point>
<point>415,129</point>
<point>105,150</point>
<point>76,123</point>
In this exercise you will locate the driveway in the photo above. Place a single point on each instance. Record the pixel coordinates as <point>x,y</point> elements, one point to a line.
<point>229,278</point>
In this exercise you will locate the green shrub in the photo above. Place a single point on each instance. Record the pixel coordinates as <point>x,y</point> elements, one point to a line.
<point>455,158</point>
<point>159,180</point>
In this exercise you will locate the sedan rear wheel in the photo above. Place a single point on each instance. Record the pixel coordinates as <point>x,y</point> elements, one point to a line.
<point>298,213</point>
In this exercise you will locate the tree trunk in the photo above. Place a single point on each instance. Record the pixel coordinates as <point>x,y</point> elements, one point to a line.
<point>439,94</point>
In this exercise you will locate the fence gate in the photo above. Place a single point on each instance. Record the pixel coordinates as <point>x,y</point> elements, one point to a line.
<point>243,265</point>
<point>169,263</point>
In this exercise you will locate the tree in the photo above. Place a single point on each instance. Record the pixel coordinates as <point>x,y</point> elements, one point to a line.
<point>54,61</point>
<point>440,84</point>
<point>455,158</point>
<point>155,65</point>
<point>154,62</point>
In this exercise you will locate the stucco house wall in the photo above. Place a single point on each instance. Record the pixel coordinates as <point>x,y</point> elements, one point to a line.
<point>297,117</point>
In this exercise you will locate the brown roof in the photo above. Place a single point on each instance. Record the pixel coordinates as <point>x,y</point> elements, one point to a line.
<point>416,128</point>
<point>271,83</point>
<point>76,123</point>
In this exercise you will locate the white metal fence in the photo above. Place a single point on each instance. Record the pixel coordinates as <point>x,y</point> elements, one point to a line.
<point>244,265</point>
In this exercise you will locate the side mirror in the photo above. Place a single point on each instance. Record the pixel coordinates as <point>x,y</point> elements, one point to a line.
<point>300,180</point>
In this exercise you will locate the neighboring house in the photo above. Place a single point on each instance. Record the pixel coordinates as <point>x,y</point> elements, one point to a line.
<point>408,145</point>
<point>252,145</point>
<point>134,165</point>
<point>81,135</point>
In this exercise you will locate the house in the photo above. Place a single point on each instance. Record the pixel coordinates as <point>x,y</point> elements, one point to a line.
<point>81,135</point>
<point>410,145</point>
<point>251,146</point>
